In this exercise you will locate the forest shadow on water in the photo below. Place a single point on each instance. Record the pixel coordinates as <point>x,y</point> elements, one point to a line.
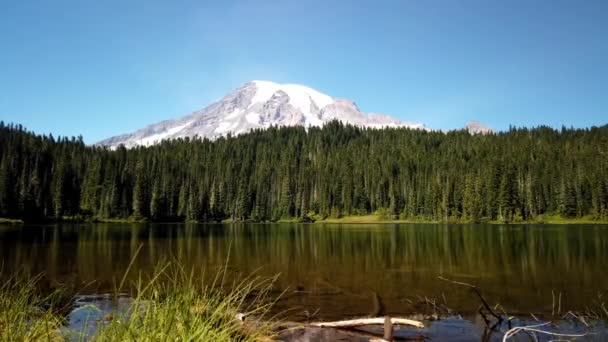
<point>336,271</point>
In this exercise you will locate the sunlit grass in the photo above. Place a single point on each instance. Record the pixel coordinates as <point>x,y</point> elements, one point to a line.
<point>4,220</point>
<point>24,314</point>
<point>171,304</point>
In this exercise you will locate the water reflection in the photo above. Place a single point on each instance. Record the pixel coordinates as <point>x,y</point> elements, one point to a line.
<point>336,268</point>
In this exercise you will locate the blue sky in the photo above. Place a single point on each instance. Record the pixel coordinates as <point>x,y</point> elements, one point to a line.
<point>100,68</point>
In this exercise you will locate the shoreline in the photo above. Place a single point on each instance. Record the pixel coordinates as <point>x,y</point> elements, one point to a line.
<point>351,220</point>
<point>374,219</point>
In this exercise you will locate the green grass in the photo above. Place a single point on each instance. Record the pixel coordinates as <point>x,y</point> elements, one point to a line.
<point>291,220</point>
<point>169,305</point>
<point>119,220</point>
<point>355,219</point>
<point>24,314</point>
<point>173,306</point>
<point>557,219</point>
<point>10,221</point>
<point>375,218</point>
<point>101,219</point>
<point>371,219</point>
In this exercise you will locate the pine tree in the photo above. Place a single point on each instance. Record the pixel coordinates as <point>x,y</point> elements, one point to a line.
<point>567,200</point>
<point>156,207</point>
<point>91,188</point>
<point>7,197</point>
<point>140,196</point>
<point>58,190</point>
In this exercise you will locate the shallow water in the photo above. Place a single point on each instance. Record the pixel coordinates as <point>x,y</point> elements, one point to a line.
<point>337,271</point>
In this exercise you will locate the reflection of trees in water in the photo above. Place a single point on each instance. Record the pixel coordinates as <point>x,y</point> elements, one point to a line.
<point>518,264</point>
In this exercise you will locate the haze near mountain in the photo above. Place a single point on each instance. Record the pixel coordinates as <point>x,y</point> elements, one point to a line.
<point>259,104</point>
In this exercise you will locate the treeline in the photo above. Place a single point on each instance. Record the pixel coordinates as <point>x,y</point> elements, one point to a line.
<point>332,171</point>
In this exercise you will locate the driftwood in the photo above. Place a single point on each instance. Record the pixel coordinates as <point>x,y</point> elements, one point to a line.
<point>350,327</point>
<point>535,329</point>
<point>387,322</point>
<point>291,327</point>
<point>352,323</point>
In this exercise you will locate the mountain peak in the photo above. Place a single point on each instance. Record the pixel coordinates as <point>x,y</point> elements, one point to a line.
<point>258,104</point>
<point>475,127</point>
<point>302,98</point>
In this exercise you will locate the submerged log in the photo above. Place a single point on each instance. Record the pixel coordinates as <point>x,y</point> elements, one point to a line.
<point>367,321</point>
<point>292,331</point>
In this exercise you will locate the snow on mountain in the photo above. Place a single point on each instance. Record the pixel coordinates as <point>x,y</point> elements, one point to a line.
<point>258,104</point>
<point>475,127</point>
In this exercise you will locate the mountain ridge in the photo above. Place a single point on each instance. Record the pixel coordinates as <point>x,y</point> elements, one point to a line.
<point>258,104</point>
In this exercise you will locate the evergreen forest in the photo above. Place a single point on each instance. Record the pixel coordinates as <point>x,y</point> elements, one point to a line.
<point>292,172</point>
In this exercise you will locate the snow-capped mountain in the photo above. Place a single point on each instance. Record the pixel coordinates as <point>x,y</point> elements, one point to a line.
<point>475,127</point>
<point>258,104</point>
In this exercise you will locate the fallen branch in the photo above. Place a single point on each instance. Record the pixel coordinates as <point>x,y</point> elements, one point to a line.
<point>483,300</point>
<point>534,329</point>
<point>367,321</point>
<point>579,318</point>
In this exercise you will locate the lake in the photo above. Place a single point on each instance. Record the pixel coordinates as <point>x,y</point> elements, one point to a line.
<point>337,270</point>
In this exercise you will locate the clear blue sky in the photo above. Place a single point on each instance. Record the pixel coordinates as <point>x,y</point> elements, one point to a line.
<point>100,68</point>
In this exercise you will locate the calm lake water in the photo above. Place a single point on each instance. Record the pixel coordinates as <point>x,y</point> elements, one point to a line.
<point>339,270</point>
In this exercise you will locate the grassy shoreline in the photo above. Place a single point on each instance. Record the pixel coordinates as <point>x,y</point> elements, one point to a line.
<point>369,219</point>
<point>170,305</point>
<point>10,221</point>
<point>351,219</point>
